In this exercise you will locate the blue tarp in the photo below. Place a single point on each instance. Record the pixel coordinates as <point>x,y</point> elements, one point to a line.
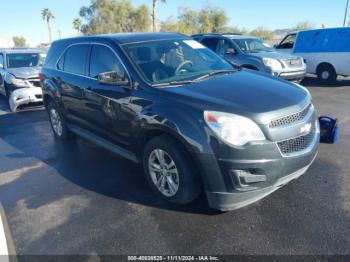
<point>323,40</point>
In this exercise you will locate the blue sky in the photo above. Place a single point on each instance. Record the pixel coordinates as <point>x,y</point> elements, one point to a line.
<point>23,18</point>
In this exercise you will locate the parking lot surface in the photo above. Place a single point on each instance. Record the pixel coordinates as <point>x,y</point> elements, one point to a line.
<point>76,198</point>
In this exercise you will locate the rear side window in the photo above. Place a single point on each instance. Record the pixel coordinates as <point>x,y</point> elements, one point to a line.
<point>211,43</point>
<point>75,59</point>
<point>104,60</point>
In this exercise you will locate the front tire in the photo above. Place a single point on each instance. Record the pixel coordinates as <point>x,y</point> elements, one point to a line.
<point>57,122</point>
<point>326,73</point>
<point>170,172</point>
<point>8,92</point>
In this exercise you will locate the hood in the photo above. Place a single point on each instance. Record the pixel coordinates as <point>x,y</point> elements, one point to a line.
<point>274,54</point>
<point>252,94</point>
<point>24,72</point>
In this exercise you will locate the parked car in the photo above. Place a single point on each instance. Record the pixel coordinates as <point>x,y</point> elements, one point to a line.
<point>251,52</point>
<point>326,51</point>
<point>19,76</point>
<point>192,120</point>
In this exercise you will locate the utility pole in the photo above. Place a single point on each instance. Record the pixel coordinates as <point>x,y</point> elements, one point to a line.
<point>346,12</point>
<point>59,33</point>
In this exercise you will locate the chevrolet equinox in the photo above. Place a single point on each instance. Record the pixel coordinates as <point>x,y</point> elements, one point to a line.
<point>192,120</point>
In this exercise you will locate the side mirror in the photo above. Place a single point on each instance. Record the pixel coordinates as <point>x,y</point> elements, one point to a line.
<point>230,51</point>
<point>113,78</point>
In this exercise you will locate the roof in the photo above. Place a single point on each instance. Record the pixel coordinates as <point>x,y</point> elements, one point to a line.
<point>126,38</point>
<point>21,50</point>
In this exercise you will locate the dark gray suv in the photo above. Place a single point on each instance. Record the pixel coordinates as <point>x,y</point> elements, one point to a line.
<point>251,52</point>
<point>193,121</point>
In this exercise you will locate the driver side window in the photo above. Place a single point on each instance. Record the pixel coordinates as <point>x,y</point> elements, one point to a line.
<point>223,47</point>
<point>104,60</point>
<point>288,42</point>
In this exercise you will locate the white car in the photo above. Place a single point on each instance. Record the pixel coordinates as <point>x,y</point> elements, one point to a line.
<point>325,51</point>
<point>19,76</point>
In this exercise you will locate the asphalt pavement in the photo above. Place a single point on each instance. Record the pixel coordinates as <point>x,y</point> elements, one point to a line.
<point>76,198</point>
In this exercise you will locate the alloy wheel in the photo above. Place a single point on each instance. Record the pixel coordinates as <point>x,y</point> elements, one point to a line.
<point>325,75</point>
<point>163,172</point>
<point>56,122</point>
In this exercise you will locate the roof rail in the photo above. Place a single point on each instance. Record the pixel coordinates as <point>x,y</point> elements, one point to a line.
<point>201,34</point>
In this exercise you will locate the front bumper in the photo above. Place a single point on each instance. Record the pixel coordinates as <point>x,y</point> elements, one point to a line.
<point>25,96</point>
<point>293,75</point>
<point>236,177</point>
<point>226,201</point>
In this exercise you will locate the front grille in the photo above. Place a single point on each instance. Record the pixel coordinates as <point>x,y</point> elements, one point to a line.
<point>286,120</point>
<point>293,63</point>
<point>297,144</point>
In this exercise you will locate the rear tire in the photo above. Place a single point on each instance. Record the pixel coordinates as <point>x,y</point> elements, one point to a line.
<point>57,122</point>
<point>326,73</point>
<point>175,179</point>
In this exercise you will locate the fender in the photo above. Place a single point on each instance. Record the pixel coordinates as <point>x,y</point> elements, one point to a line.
<point>50,90</point>
<point>176,122</point>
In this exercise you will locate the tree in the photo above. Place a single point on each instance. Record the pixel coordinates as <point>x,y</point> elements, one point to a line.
<point>189,21</point>
<point>19,41</point>
<point>262,33</point>
<point>48,16</point>
<point>235,30</point>
<point>77,24</point>
<point>154,13</point>
<point>112,16</point>
<point>305,25</point>
<point>212,19</point>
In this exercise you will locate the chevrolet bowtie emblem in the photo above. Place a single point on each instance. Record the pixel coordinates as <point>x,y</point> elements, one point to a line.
<point>305,129</point>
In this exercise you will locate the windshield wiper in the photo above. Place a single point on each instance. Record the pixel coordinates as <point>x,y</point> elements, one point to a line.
<point>214,73</point>
<point>174,83</point>
<point>202,77</point>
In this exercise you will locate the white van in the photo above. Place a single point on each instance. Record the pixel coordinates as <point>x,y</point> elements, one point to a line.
<point>325,51</point>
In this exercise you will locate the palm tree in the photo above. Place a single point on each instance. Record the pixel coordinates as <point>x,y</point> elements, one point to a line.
<point>154,7</point>
<point>77,25</point>
<point>48,15</point>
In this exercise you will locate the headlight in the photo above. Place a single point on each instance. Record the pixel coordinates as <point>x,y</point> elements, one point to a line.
<point>233,129</point>
<point>18,82</point>
<point>272,63</point>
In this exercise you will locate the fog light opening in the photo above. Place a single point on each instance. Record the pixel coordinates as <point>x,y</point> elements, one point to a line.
<point>245,178</point>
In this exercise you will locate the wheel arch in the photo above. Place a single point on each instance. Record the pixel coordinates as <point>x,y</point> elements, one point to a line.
<point>47,99</point>
<point>161,131</point>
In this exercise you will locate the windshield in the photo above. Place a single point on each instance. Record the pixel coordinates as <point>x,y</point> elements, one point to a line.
<point>253,45</point>
<point>25,60</point>
<point>174,60</point>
